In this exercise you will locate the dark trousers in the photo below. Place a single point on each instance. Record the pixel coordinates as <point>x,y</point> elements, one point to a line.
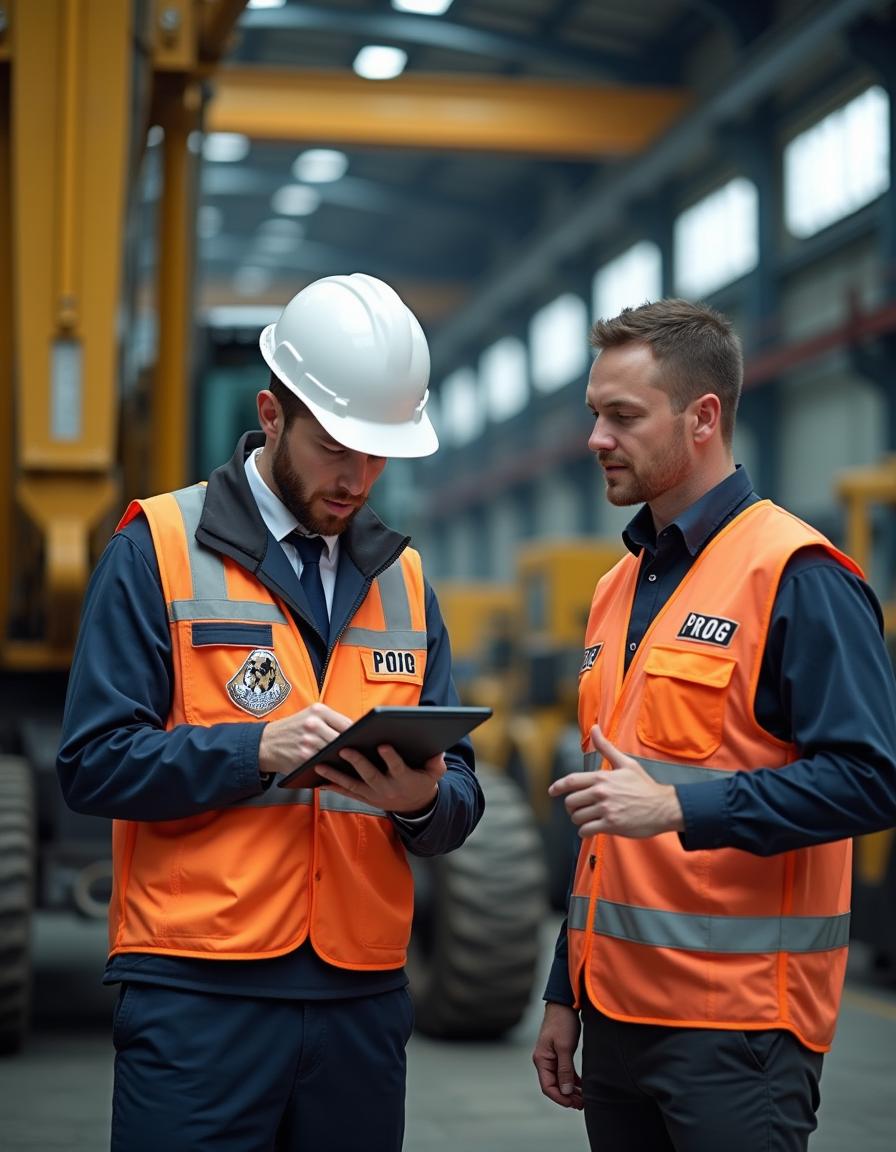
<point>654,1089</point>
<point>195,1072</point>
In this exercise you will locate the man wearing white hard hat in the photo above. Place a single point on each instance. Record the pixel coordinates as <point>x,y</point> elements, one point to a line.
<point>230,631</point>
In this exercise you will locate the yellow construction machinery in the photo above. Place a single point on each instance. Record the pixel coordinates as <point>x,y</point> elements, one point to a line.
<point>80,83</point>
<point>518,649</point>
<point>869,498</point>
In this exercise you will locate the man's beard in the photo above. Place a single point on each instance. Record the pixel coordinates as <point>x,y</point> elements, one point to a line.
<point>664,472</point>
<point>294,494</point>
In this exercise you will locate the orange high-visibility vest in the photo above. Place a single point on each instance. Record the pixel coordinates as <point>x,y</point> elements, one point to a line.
<point>256,879</point>
<point>704,939</point>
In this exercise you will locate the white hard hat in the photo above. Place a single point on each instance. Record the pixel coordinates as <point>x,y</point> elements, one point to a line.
<point>355,354</point>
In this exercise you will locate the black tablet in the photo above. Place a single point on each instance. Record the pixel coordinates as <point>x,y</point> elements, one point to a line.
<point>417,734</point>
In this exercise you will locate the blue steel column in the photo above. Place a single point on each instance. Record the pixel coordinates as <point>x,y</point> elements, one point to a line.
<point>757,159</point>
<point>874,43</point>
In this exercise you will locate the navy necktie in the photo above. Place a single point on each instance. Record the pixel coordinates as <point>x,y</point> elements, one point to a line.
<point>309,549</point>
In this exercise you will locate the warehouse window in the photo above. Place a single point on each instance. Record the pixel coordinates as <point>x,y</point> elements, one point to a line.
<point>838,165</point>
<point>716,239</point>
<point>628,280</point>
<point>558,342</point>
<point>502,375</point>
<point>462,416</point>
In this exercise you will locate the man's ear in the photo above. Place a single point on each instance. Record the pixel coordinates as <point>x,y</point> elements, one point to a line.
<point>705,416</point>
<point>270,414</point>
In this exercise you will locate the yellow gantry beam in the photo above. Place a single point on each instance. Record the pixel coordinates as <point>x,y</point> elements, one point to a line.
<point>453,112</point>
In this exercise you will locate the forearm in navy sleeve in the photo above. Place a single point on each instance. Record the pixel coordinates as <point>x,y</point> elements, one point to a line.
<point>827,661</point>
<point>116,759</point>
<point>558,989</point>
<point>460,801</point>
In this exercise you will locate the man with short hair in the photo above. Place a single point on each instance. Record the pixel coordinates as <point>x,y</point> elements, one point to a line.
<point>736,708</point>
<point>230,631</point>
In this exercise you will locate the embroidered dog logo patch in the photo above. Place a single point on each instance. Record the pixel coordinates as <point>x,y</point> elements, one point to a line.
<point>259,686</point>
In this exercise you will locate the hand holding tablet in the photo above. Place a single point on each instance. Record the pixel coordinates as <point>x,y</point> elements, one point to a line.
<point>417,734</point>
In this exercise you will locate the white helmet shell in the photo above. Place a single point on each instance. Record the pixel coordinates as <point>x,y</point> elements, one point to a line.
<point>355,355</point>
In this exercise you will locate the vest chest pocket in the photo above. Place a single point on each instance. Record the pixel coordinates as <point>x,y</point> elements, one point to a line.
<point>228,668</point>
<point>683,706</point>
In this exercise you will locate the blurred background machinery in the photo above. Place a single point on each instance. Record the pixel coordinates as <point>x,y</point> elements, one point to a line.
<point>172,171</point>
<point>869,497</point>
<point>518,649</point>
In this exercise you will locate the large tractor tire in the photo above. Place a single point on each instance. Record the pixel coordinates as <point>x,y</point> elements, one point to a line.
<point>17,879</point>
<point>477,916</point>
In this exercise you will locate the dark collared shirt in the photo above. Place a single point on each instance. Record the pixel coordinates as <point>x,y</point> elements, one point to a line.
<point>826,684</point>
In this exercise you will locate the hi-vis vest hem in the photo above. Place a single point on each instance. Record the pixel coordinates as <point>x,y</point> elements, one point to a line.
<point>712,938</point>
<point>258,878</point>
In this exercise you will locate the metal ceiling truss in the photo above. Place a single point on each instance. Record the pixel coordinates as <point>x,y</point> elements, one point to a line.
<point>594,212</point>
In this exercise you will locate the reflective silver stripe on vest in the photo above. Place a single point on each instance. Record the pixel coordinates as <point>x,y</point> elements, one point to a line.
<point>732,934</point>
<point>210,600</point>
<point>275,797</point>
<point>206,567</point>
<point>396,615</point>
<point>577,915</point>
<point>333,802</point>
<point>369,638</point>
<point>663,771</point>
<point>225,610</point>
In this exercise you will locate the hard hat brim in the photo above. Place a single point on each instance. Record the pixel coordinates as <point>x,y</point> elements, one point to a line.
<point>394,440</point>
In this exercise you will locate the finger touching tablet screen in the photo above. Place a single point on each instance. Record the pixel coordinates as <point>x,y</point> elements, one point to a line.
<point>417,734</point>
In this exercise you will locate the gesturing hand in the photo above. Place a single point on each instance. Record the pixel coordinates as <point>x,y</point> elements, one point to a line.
<point>624,801</point>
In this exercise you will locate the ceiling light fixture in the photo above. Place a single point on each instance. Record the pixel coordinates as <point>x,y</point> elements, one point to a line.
<point>320,165</point>
<point>295,200</point>
<point>225,147</point>
<point>423,7</point>
<point>380,62</point>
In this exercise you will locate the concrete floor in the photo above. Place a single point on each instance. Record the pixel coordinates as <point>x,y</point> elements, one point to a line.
<point>467,1097</point>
